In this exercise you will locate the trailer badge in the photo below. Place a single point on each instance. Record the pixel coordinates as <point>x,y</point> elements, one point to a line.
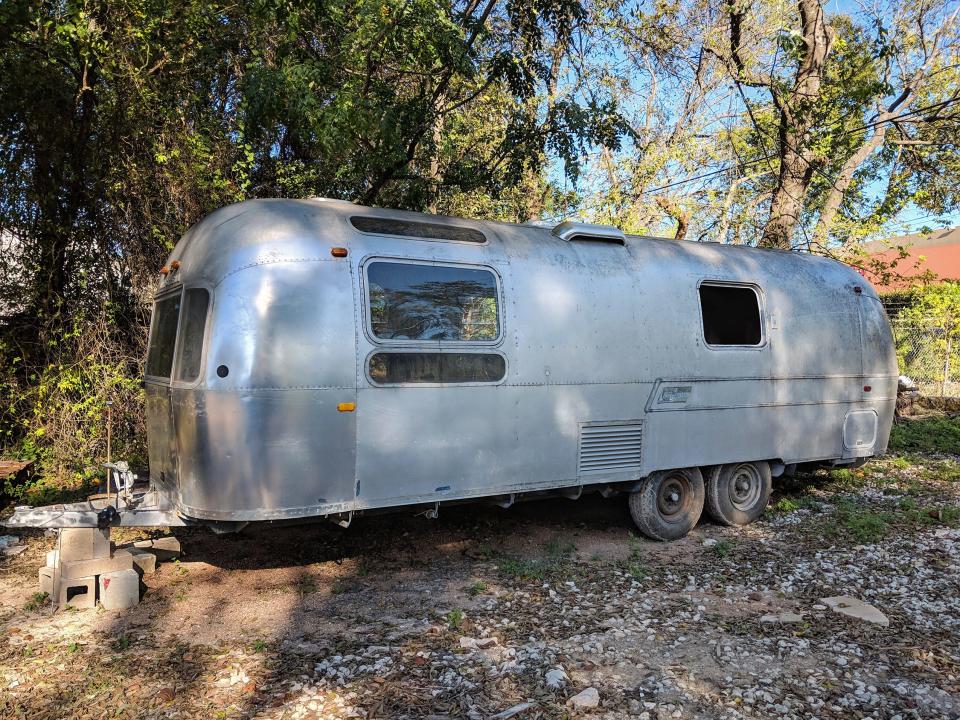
<point>675,394</point>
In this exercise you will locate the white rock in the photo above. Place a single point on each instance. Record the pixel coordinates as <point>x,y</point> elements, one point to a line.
<point>852,607</point>
<point>781,618</point>
<point>709,542</point>
<point>556,677</point>
<point>585,700</point>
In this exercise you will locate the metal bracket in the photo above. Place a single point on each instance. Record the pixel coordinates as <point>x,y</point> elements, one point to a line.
<point>511,498</point>
<point>342,521</point>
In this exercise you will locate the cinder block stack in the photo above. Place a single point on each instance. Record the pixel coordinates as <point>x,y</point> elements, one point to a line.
<point>86,569</point>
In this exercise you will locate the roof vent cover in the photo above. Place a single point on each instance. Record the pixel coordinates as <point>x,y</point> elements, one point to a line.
<point>571,231</point>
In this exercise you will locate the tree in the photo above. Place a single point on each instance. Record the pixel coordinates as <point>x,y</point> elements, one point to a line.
<point>125,122</point>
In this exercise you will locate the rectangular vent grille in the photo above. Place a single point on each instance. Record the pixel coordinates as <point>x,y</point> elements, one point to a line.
<point>610,447</point>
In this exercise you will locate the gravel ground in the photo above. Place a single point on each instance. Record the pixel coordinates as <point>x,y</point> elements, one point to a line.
<point>542,611</point>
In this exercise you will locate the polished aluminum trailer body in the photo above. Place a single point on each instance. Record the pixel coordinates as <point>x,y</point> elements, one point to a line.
<point>607,375</point>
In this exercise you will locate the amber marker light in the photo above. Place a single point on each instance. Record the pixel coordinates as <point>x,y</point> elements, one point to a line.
<point>347,407</point>
<point>164,270</point>
<point>175,265</point>
<point>339,252</point>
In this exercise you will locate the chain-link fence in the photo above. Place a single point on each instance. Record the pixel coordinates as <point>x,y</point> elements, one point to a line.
<point>928,354</point>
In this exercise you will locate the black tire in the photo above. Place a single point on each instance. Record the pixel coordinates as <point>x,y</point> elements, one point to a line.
<point>668,504</point>
<point>737,494</point>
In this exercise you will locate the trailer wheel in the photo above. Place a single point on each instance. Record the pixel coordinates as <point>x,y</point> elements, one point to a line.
<point>737,494</point>
<point>668,503</point>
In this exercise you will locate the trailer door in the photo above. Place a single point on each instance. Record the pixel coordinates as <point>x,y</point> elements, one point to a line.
<point>431,383</point>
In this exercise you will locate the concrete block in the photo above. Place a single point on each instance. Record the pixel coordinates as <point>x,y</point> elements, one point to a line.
<point>165,548</point>
<point>83,544</point>
<point>46,580</point>
<point>144,563</point>
<point>121,560</point>
<point>119,590</point>
<point>80,593</point>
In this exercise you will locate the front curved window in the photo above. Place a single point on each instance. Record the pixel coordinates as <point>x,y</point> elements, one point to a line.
<point>180,352</point>
<point>192,323</point>
<point>163,336</point>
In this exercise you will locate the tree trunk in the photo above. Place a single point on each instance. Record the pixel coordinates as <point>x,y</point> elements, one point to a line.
<point>435,173</point>
<point>787,201</point>
<point>796,119</point>
<point>677,213</point>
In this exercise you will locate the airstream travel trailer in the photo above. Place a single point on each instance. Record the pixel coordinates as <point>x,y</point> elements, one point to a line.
<point>315,358</point>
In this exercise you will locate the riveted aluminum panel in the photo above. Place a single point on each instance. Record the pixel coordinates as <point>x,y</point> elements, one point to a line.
<point>267,440</point>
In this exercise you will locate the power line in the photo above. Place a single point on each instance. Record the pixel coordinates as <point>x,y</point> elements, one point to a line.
<point>740,166</point>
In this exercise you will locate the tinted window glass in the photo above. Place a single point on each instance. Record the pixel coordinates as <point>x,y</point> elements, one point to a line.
<point>191,333</point>
<point>431,302</point>
<point>426,367</point>
<point>163,335</point>
<point>731,315</point>
<point>420,230</point>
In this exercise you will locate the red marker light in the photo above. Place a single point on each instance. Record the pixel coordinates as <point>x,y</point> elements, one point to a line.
<point>867,388</point>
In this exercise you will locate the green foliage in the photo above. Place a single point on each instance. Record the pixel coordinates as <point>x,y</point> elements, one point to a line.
<point>455,619</point>
<point>928,334</point>
<point>57,414</point>
<point>523,569</point>
<point>723,548</point>
<point>122,642</point>
<point>940,434</point>
<point>37,601</point>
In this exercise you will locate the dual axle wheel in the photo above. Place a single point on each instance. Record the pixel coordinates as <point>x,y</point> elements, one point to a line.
<point>669,503</point>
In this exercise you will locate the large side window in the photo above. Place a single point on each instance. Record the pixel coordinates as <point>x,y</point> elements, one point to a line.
<point>731,315</point>
<point>163,335</point>
<point>432,302</point>
<point>391,368</point>
<point>190,347</point>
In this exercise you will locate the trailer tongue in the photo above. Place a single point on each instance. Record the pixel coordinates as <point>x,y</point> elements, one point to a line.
<point>141,509</point>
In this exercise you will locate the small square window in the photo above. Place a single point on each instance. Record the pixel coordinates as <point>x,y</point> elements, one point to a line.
<point>731,315</point>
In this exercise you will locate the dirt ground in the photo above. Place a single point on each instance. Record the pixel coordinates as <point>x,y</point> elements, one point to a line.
<point>468,614</point>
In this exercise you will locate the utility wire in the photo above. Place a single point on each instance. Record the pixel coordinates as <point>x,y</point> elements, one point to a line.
<point>740,166</point>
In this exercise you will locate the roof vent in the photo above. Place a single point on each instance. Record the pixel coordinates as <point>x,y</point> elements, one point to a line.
<point>570,231</point>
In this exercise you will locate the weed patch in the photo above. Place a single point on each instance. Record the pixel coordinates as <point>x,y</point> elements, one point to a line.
<point>723,548</point>
<point>36,601</point>
<point>929,434</point>
<point>455,618</point>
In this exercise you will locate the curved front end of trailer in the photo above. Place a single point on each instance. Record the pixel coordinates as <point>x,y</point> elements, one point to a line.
<point>250,402</point>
